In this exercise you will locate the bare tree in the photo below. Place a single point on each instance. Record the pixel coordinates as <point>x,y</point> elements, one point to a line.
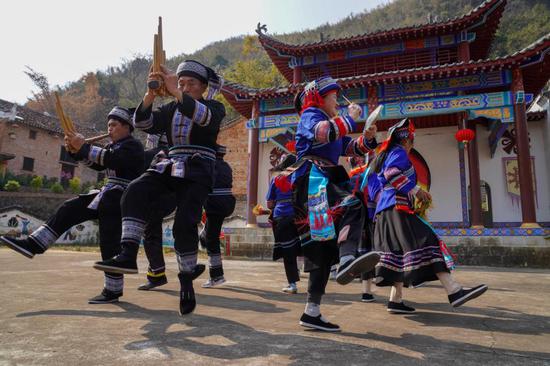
<point>43,99</point>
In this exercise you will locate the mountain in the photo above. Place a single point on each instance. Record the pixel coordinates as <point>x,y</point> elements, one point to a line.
<point>241,59</point>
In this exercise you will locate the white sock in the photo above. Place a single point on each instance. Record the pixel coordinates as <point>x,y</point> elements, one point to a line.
<point>312,309</point>
<point>396,293</point>
<point>451,286</point>
<point>346,258</point>
<point>367,289</point>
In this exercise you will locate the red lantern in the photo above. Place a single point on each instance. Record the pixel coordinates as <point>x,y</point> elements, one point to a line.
<point>465,135</point>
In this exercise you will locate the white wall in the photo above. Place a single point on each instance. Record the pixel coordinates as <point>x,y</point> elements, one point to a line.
<point>263,175</point>
<point>492,171</point>
<point>439,148</point>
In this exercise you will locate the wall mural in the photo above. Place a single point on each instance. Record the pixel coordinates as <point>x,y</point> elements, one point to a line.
<point>19,224</point>
<point>511,176</point>
<point>509,143</point>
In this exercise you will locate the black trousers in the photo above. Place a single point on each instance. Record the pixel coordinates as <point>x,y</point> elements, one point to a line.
<point>318,278</point>
<point>291,269</point>
<point>210,238</point>
<point>75,211</point>
<point>152,238</point>
<point>348,222</point>
<point>142,194</point>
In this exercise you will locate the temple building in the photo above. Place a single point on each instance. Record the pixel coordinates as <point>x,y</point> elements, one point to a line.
<point>440,76</point>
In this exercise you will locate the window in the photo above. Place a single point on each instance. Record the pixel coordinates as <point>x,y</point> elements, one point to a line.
<point>28,164</point>
<point>32,135</point>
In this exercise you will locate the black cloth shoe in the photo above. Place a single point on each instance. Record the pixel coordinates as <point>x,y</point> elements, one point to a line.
<point>117,264</point>
<point>354,267</point>
<point>399,308</point>
<point>27,247</point>
<point>187,293</point>
<point>367,298</point>
<point>105,297</point>
<point>199,269</point>
<point>465,295</point>
<point>318,322</point>
<point>153,282</point>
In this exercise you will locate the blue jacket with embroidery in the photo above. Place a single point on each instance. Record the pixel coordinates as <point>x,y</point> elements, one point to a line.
<point>281,200</point>
<point>397,179</point>
<point>373,186</point>
<point>370,191</point>
<point>325,137</point>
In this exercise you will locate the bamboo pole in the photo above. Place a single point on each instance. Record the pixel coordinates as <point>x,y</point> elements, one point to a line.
<point>159,58</point>
<point>97,138</point>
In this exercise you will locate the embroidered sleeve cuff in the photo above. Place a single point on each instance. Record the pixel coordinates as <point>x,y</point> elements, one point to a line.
<point>97,155</point>
<point>201,114</point>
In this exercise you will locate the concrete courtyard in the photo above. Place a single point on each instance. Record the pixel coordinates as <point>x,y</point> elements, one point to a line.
<point>45,319</point>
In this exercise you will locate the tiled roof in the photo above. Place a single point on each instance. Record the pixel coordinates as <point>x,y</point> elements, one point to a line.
<point>28,117</point>
<point>484,20</point>
<point>241,96</point>
<point>381,34</point>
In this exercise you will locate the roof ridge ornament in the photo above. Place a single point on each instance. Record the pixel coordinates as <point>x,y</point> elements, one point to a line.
<point>11,115</point>
<point>261,29</point>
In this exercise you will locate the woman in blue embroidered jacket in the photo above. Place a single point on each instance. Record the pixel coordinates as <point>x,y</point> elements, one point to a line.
<point>411,253</point>
<point>329,217</point>
<point>191,123</point>
<point>287,244</point>
<point>122,159</point>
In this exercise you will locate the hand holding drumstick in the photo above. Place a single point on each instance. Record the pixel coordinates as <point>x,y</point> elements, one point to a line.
<point>354,112</point>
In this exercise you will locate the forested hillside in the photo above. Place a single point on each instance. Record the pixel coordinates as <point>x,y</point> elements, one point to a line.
<point>241,59</point>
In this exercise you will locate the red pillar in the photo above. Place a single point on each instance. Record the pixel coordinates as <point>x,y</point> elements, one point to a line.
<point>464,51</point>
<point>527,192</point>
<point>476,221</point>
<point>372,98</point>
<point>297,75</point>
<point>253,159</point>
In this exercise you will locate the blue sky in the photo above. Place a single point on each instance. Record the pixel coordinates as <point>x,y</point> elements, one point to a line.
<point>65,39</point>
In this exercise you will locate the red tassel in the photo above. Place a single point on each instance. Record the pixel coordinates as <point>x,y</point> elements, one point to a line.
<point>384,145</point>
<point>313,99</point>
<point>283,183</point>
<point>316,223</point>
<point>291,146</point>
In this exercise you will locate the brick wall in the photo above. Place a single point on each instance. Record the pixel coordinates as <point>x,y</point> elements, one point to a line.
<point>235,137</point>
<point>45,150</point>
